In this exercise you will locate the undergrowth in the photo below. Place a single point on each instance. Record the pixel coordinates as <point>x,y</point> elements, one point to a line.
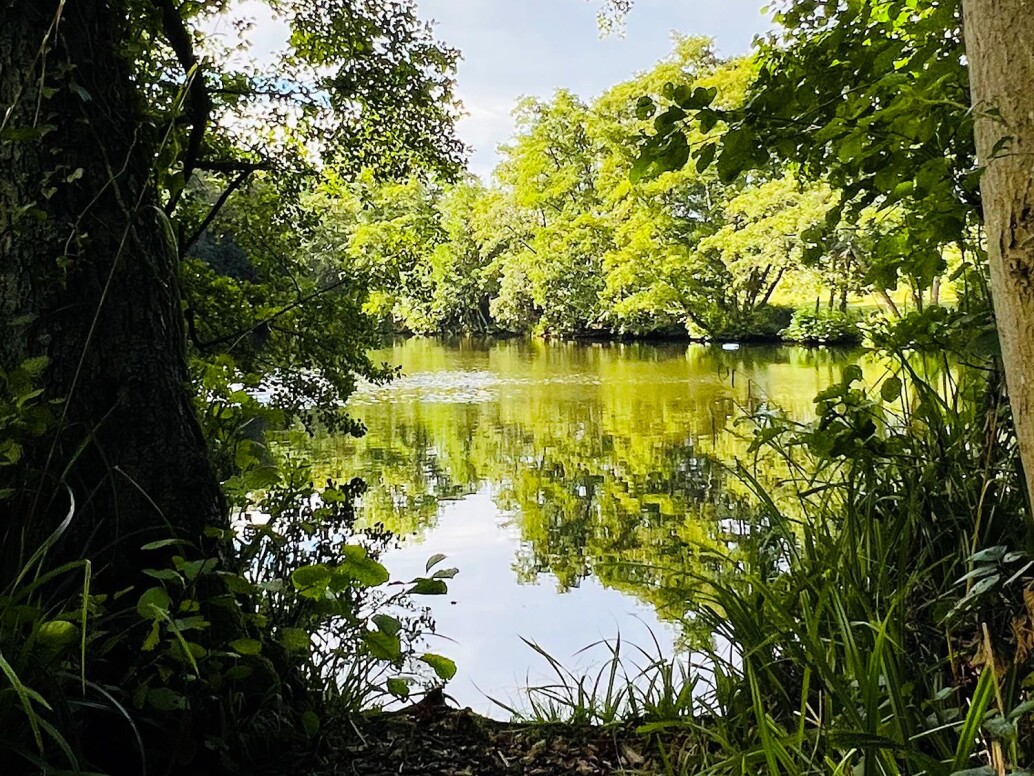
<point>229,661</point>
<point>876,617</point>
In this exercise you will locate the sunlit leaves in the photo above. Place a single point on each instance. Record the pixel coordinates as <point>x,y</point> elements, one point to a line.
<point>442,666</point>
<point>383,646</point>
<point>359,568</point>
<point>312,581</point>
<point>425,586</point>
<point>153,603</point>
<point>246,646</point>
<point>355,569</point>
<point>871,97</point>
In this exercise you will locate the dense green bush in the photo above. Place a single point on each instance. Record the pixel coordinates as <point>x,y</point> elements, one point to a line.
<point>878,602</point>
<point>823,327</point>
<point>209,661</point>
<point>763,323</point>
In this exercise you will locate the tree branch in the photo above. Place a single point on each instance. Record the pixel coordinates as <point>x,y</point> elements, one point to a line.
<point>236,337</point>
<point>214,211</point>
<point>198,102</point>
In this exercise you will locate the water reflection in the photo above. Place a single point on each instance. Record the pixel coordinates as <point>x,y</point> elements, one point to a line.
<point>577,487</point>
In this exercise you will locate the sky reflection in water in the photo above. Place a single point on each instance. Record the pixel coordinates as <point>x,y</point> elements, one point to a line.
<point>573,486</point>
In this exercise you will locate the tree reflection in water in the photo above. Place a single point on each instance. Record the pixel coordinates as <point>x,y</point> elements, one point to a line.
<point>610,460</point>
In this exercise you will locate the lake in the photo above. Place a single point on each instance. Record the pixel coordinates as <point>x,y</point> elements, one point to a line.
<point>575,487</point>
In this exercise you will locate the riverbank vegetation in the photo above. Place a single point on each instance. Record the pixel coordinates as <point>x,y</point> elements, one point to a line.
<point>572,237</point>
<point>197,250</point>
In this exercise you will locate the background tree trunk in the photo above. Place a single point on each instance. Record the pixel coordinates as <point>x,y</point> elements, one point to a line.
<point>88,278</point>
<point>1000,49</point>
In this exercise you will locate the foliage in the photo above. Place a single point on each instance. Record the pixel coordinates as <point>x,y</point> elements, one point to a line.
<point>652,689</point>
<point>871,98</point>
<point>858,641</point>
<point>576,236</point>
<point>823,327</point>
<point>850,650</point>
<point>325,597</point>
<point>244,175</point>
<point>242,656</point>
<point>187,652</point>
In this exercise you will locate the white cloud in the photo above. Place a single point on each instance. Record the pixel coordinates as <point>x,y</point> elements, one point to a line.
<point>533,47</point>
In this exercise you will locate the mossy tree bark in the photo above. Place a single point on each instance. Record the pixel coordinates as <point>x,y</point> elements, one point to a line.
<point>1000,49</point>
<point>88,279</point>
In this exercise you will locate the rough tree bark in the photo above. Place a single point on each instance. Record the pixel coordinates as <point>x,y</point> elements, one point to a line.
<point>88,279</point>
<point>1000,49</point>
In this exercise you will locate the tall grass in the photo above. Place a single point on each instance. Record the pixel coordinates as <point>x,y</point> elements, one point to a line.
<point>862,645</point>
<point>875,616</point>
<point>44,625</point>
<point>647,687</point>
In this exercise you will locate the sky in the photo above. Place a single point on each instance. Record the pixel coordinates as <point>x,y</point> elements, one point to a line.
<point>517,48</point>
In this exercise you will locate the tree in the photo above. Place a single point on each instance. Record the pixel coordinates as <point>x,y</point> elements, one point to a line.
<point>999,39</point>
<point>760,241</point>
<point>461,267</point>
<point>89,283</point>
<point>112,114</point>
<point>880,98</point>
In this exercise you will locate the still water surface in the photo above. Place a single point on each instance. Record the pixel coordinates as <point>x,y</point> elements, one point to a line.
<point>573,485</point>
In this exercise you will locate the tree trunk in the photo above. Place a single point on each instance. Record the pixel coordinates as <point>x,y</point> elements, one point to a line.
<point>771,289</point>
<point>1000,50</point>
<point>88,279</point>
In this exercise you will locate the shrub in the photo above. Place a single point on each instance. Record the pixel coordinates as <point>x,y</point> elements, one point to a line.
<point>207,662</point>
<point>879,613</point>
<point>763,323</point>
<point>823,327</point>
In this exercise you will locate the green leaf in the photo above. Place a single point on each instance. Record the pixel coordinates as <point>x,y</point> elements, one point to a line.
<point>398,687</point>
<point>708,119</point>
<point>1000,728</point>
<point>424,586</point>
<point>153,603</point>
<point>645,108</point>
<point>1019,711</point>
<point>312,581</point>
<point>983,586</point>
<point>696,100</point>
<point>57,633</point>
<point>165,575</point>
<point>83,95</point>
<point>738,147</point>
<point>310,723</point>
<point>433,561</point>
<point>383,646</point>
<point>443,666</point>
<point>669,118</point>
<point>891,389</point>
<point>239,672</point>
<point>387,624</point>
<point>706,156</point>
<point>237,584</point>
<point>166,699</point>
<point>990,554</point>
<point>851,374</point>
<point>357,566</point>
<point>246,646</point>
<point>295,640</point>
<point>153,635</point>
<point>163,543</point>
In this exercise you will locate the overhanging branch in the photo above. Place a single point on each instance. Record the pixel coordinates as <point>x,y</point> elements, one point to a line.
<point>198,103</point>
